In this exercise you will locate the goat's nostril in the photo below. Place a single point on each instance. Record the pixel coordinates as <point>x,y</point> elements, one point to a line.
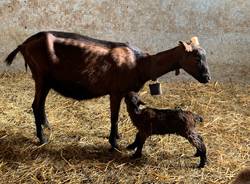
<point>207,77</point>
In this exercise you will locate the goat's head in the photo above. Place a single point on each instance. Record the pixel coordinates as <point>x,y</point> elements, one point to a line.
<point>133,100</point>
<point>194,60</point>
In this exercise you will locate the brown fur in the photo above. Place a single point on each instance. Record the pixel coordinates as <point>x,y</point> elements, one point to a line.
<point>123,56</point>
<point>80,67</point>
<point>86,46</point>
<point>151,121</point>
<point>243,177</point>
<point>51,50</point>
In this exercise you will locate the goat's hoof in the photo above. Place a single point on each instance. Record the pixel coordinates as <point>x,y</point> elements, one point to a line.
<point>201,165</point>
<point>113,142</point>
<point>43,140</point>
<point>131,147</point>
<point>136,156</point>
<point>196,154</point>
<point>114,149</point>
<point>46,125</point>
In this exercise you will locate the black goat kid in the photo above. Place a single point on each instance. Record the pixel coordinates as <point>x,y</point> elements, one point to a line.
<point>151,121</point>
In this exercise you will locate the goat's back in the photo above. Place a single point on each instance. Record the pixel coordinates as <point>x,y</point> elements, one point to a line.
<point>163,121</point>
<point>79,66</point>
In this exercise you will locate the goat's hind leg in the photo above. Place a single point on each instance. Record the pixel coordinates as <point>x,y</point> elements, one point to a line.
<point>197,154</point>
<point>115,102</point>
<point>197,141</point>
<point>38,106</point>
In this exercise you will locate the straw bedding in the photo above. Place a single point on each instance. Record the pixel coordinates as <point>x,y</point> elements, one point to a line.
<point>78,151</point>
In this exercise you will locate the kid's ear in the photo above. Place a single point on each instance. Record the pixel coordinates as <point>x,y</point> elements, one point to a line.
<point>137,111</point>
<point>141,103</point>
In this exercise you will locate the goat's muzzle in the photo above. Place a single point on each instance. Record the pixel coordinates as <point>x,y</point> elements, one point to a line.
<point>205,78</point>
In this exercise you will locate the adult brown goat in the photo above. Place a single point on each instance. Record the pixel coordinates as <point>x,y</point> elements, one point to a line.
<point>81,67</point>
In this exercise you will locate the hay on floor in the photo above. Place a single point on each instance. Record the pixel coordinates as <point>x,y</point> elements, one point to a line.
<point>78,151</point>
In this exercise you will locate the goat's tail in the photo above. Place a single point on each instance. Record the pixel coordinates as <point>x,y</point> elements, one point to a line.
<point>12,55</point>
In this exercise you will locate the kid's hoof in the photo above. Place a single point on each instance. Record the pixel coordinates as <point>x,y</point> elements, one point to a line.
<point>196,154</point>
<point>201,165</point>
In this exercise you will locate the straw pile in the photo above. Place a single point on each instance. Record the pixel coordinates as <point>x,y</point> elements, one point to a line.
<point>78,147</point>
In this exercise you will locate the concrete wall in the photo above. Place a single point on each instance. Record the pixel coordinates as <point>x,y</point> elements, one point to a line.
<point>223,26</point>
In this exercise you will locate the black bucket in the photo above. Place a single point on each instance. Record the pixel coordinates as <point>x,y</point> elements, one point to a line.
<point>155,88</point>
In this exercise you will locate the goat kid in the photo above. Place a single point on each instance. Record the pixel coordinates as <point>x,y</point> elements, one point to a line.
<point>151,121</point>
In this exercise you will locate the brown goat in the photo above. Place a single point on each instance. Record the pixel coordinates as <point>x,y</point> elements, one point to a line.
<point>151,121</point>
<point>81,67</point>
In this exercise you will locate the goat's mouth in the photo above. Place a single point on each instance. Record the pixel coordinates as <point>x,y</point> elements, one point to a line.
<point>204,79</point>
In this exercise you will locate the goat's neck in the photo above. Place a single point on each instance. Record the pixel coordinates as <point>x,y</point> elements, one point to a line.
<point>163,62</point>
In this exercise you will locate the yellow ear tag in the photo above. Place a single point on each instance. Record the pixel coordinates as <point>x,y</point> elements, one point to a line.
<point>194,40</point>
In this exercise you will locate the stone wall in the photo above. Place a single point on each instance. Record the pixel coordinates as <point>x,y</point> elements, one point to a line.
<point>223,26</point>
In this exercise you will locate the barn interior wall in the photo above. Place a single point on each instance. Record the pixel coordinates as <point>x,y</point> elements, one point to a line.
<point>223,26</point>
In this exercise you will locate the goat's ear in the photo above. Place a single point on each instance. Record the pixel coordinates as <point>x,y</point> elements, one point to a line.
<point>188,47</point>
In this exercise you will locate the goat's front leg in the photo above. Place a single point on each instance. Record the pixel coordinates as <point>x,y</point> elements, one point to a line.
<point>115,102</point>
<point>141,138</point>
<point>38,106</point>
<point>135,143</point>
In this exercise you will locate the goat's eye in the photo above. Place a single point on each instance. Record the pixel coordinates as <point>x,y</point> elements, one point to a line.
<point>198,57</point>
